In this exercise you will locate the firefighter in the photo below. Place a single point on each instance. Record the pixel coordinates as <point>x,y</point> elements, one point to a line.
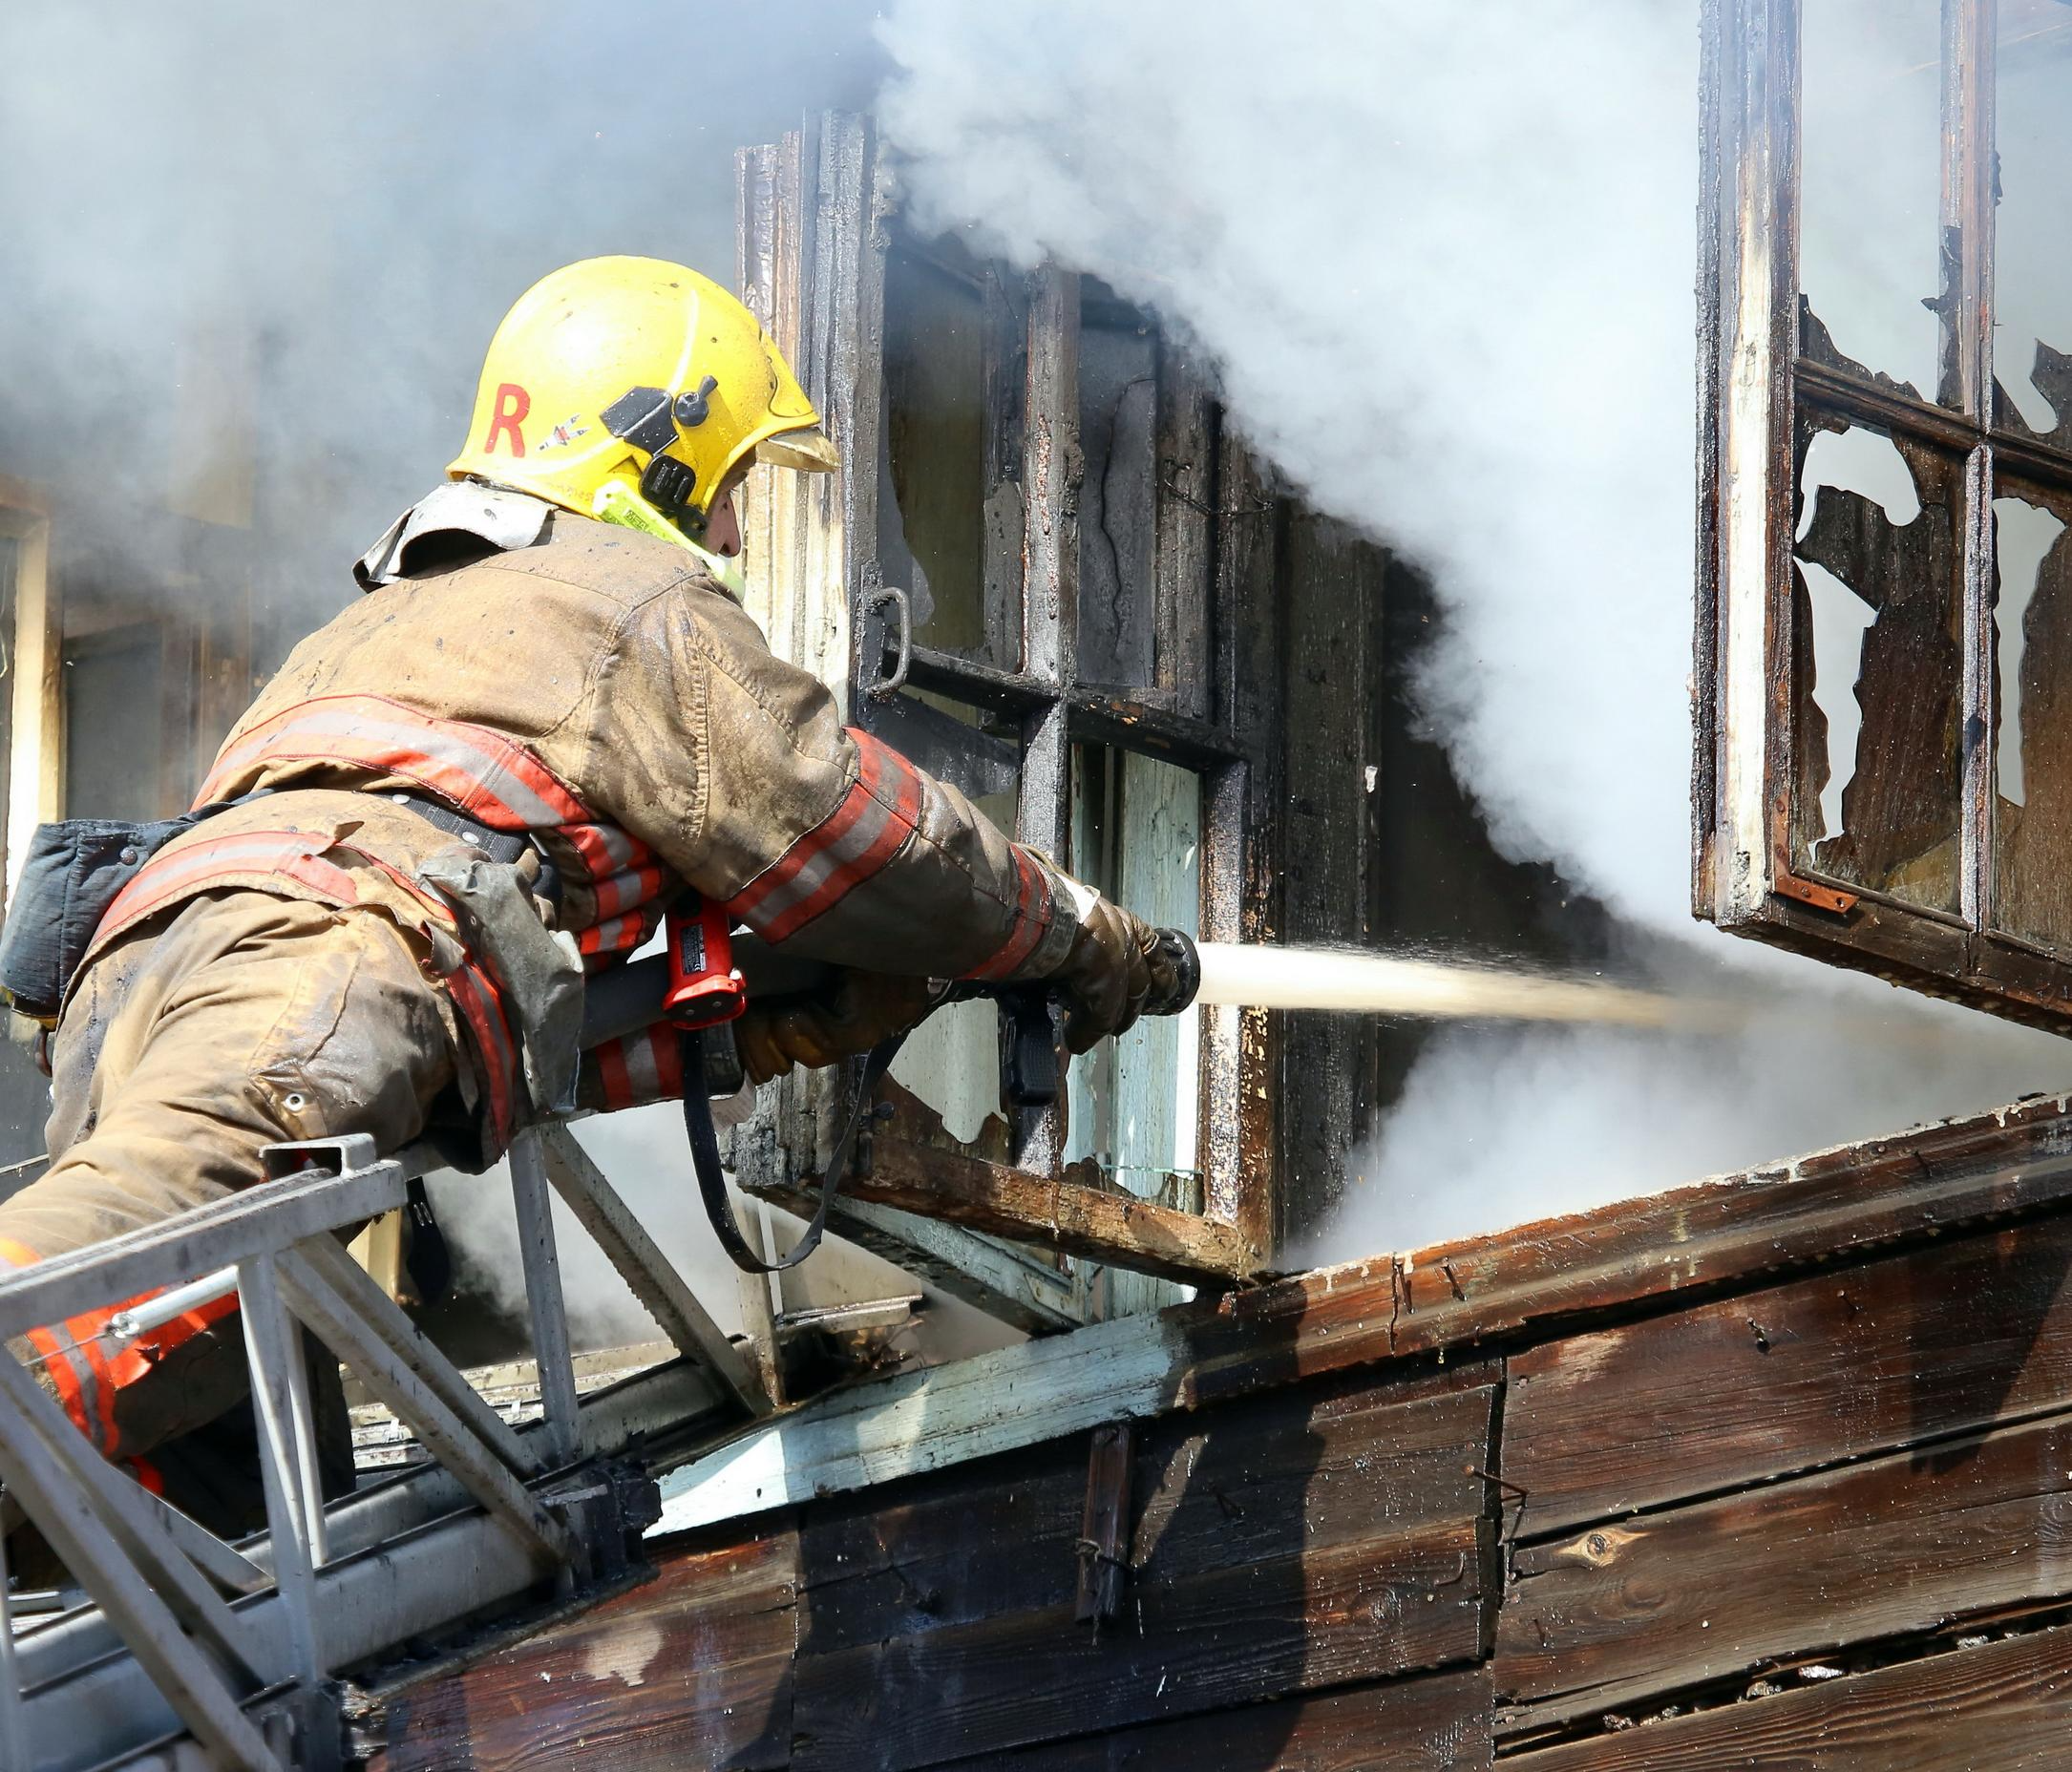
<point>546,675</point>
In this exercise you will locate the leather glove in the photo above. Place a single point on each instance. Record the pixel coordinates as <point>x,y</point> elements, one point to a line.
<point>863,1009</point>
<point>1113,966</point>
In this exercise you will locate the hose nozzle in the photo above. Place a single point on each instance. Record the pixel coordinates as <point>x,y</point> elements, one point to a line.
<point>1177,947</point>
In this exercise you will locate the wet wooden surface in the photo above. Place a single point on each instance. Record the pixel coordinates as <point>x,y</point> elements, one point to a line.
<point>1953,1337</point>
<point>2001,1707</point>
<point>693,1669</point>
<point>1666,1601</point>
<point>1277,1547</point>
<point>1437,1722</point>
<point>1621,1463</point>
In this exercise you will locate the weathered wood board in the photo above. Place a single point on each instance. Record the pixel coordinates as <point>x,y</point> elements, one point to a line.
<point>693,1669</point>
<point>1279,1547</point>
<point>1899,1544</point>
<point>1436,1722</point>
<point>1817,1412</point>
<point>1835,1206</point>
<point>1838,1206</point>
<point>2006,1706</point>
<point>1956,1335</point>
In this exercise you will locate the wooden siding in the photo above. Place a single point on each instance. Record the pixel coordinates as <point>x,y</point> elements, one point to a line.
<point>1773,1473</point>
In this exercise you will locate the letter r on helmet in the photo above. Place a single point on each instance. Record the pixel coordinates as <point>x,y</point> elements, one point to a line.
<point>513,403</point>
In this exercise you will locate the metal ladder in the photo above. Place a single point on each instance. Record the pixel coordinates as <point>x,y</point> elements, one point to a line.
<point>194,1651</point>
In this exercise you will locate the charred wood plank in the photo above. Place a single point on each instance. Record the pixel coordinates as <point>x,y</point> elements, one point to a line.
<point>1240,882</point>
<point>1832,1207</point>
<point>1106,717</point>
<point>1921,1346</point>
<point>1667,1601</point>
<point>694,1668</point>
<point>1329,1617</point>
<point>1104,1528</point>
<point>2001,1705</point>
<point>1244,1485</point>
<point>1437,1722</point>
<point>1279,1547</point>
<point>1065,1213</point>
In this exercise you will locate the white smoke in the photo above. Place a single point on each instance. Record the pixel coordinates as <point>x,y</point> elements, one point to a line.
<point>1446,271</point>
<point>252,260</point>
<point>1444,258</point>
<point>646,1157</point>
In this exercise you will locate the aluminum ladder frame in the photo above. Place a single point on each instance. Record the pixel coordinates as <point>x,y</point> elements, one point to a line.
<point>197,1652</point>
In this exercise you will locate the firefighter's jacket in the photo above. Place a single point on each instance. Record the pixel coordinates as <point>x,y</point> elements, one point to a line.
<point>593,686</point>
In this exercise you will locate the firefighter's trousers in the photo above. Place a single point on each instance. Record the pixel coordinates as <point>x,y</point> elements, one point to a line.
<point>242,1019</point>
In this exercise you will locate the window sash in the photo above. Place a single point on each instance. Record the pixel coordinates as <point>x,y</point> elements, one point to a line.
<point>811,258</point>
<point>1756,373</point>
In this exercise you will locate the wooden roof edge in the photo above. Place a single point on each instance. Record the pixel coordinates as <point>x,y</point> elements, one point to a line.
<point>1847,1202</point>
<point>1829,1205</point>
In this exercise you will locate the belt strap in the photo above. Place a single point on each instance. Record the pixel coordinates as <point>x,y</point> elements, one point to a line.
<point>504,846</point>
<point>705,1159</point>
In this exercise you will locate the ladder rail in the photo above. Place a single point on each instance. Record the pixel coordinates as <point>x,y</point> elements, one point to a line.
<point>238,1646</point>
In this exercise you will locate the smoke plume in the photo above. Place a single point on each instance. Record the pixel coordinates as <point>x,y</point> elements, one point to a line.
<point>252,258</point>
<point>1443,256</point>
<point>1444,259</point>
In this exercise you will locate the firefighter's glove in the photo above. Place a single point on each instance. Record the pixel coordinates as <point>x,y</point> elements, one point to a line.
<point>860,1011</point>
<point>1112,966</point>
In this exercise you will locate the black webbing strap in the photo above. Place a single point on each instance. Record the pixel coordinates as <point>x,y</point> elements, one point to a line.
<point>503,846</point>
<point>712,1179</point>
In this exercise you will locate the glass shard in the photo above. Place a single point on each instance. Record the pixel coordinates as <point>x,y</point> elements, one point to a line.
<point>2032,246</point>
<point>1870,254</point>
<point>1879,672</point>
<point>2033,748</point>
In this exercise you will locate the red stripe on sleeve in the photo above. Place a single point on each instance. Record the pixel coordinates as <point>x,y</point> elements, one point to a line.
<point>1034,908</point>
<point>874,822</point>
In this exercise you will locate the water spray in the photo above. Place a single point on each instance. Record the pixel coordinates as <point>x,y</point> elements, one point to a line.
<point>1367,983</point>
<point>1331,980</point>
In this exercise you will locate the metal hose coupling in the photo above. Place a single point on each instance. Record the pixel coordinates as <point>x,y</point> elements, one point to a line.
<point>1178,948</point>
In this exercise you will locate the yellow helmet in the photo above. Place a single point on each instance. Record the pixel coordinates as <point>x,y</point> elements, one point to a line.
<point>641,373</point>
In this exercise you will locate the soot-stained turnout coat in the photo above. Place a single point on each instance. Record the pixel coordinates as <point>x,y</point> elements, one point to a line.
<point>281,971</point>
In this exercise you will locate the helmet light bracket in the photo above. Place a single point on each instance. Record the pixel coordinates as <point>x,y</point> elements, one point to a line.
<point>668,484</point>
<point>694,405</point>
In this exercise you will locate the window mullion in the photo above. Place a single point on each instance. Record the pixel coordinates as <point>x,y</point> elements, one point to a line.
<point>1050,604</point>
<point>1967,222</point>
<point>1967,206</point>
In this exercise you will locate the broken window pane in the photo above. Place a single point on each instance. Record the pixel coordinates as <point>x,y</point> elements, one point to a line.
<point>1132,1102</point>
<point>949,511</point>
<point>952,1060</point>
<point>1118,511</point>
<point>1878,627</point>
<point>2032,339</point>
<point>1871,250</point>
<point>2033,744</point>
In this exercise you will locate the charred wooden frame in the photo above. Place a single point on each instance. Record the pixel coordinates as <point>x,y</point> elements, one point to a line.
<point>818,231</point>
<point>32,787</point>
<point>1770,378</point>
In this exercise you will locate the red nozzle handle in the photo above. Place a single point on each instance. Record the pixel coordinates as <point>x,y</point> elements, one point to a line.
<point>704,989</point>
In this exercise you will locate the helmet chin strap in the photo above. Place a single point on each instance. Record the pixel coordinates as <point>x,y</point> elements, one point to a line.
<point>617,502</point>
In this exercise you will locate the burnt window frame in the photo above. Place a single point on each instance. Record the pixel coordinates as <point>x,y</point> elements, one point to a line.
<point>1768,378</point>
<point>816,217</point>
<point>30,631</point>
